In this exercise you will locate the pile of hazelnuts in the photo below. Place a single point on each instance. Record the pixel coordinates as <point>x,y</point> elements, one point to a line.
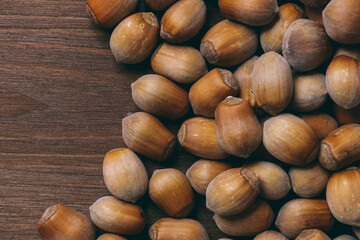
<point>268,108</point>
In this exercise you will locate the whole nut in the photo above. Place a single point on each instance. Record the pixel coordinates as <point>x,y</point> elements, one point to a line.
<point>300,214</point>
<point>243,75</point>
<point>171,191</point>
<point>159,5</point>
<point>251,12</point>
<point>308,181</point>
<point>206,93</point>
<point>341,20</point>
<point>312,234</point>
<point>176,28</point>
<point>345,116</point>
<point>228,43</point>
<point>315,13</point>
<point>109,13</point>
<point>345,237</point>
<point>125,175</point>
<point>341,147</point>
<point>343,196</point>
<point>198,136</point>
<point>271,35</point>
<point>177,229</point>
<point>290,139</point>
<point>115,216</point>
<point>238,130</point>
<point>270,235</point>
<point>314,3</point>
<point>232,191</point>
<point>60,222</point>
<point>272,83</point>
<point>135,38</point>
<point>306,45</point>
<point>202,172</point>
<point>309,92</point>
<point>348,50</point>
<point>255,219</point>
<point>343,81</point>
<point>109,236</point>
<point>321,123</point>
<point>274,181</point>
<point>146,135</point>
<point>179,63</point>
<point>157,95</point>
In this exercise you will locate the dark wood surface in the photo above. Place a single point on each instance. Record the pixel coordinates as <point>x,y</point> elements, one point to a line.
<point>62,99</point>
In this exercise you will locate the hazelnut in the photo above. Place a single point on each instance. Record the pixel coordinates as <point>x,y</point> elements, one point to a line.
<point>315,13</point>
<point>321,123</point>
<point>271,35</point>
<point>306,45</point>
<point>345,116</point>
<point>251,12</point>
<point>232,191</point>
<point>179,63</point>
<point>255,219</point>
<point>274,181</point>
<point>312,234</point>
<point>272,83</point>
<point>125,175</point>
<point>356,231</point>
<point>300,214</point>
<point>202,172</point>
<point>176,28</point>
<point>290,139</point>
<point>115,216</point>
<point>60,222</point>
<point>341,147</point>
<point>157,95</point>
<point>228,43</point>
<point>348,50</point>
<point>171,191</point>
<point>314,3</point>
<point>308,181</point>
<point>159,5</point>
<point>146,135</point>
<point>198,136</point>
<point>345,237</point>
<point>343,81</point>
<point>270,235</point>
<point>135,38</point>
<point>109,236</point>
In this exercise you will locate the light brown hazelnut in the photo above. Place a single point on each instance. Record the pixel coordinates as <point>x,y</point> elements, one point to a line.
<point>157,95</point>
<point>348,50</point>
<point>171,191</point>
<point>125,175</point>
<point>228,43</point>
<point>345,237</point>
<point>315,13</point>
<point>270,235</point>
<point>181,64</point>
<point>135,38</point>
<point>232,191</point>
<point>60,222</point>
<point>109,236</point>
<point>159,5</point>
<point>314,3</point>
<point>202,172</point>
<point>321,123</point>
<point>345,116</point>
<point>312,234</point>
<point>206,93</point>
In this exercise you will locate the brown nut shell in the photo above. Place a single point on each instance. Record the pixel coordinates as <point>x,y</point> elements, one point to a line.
<point>306,45</point>
<point>177,229</point>
<point>159,5</point>
<point>206,93</point>
<point>232,191</point>
<point>300,214</point>
<point>308,181</point>
<point>125,175</point>
<point>356,231</point>
<point>109,13</point>
<point>146,135</point>
<point>115,216</point>
<point>135,38</point>
<point>198,136</point>
<point>60,222</point>
<point>312,234</point>
<point>171,191</point>
<point>341,147</point>
<point>157,95</point>
<point>290,139</point>
<point>270,235</point>
<point>341,20</point>
<point>183,20</point>
<point>321,123</point>
<point>315,13</point>
<point>271,36</point>
<point>343,196</point>
<point>274,181</point>
<point>228,43</point>
<point>345,116</point>
<point>272,83</point>
<point>343,81</point>
<point>179,63</point>
<point>314,3</point>
<point>202,172</point>
<point>109,236</point>
<point>238,130</point>
<point>255,219</point>
<point>251,12</point>
<point>345,237</point>
<point>348,50</point>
